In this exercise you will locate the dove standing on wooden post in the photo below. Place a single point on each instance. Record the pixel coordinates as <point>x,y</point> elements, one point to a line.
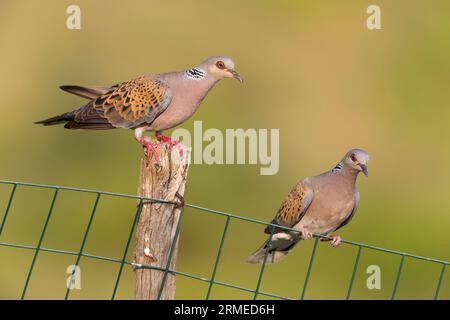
<point>154,102</point>
<point>316,205</point>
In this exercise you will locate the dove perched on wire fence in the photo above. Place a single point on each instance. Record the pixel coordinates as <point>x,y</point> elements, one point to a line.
<point>317,205</point>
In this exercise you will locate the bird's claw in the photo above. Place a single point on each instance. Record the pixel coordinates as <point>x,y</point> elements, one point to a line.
<point>306,234</point>
<point>169,141</point>
<point>150,149</point>
<point>335,240</point>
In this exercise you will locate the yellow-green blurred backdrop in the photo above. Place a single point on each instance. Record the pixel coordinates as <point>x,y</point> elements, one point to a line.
<point>312,69</point>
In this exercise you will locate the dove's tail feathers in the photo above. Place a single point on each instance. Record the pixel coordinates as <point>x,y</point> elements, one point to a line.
<point>279,248</point>
<point>272,256</point>
<point>88,126</point>
<point>62,118</point>
<point>86,92</point>
<point>70,123</point>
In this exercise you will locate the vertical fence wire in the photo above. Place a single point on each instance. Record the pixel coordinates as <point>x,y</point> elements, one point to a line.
<point>355,268</point>
<point>36,252</point>
<point>263,265</point>
<point>441,276</point>
<point>127,246</point>
<point>308,273</point>
<point>8,207</point>
<point>80,252</point>
<point>219,253</point>
<point>397,280</point>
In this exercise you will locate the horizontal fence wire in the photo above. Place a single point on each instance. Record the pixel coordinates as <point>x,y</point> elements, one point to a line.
<point>166,269</point>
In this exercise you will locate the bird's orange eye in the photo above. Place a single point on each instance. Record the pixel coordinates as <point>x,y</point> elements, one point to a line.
<point>353,157</point>
<point>220,65</point>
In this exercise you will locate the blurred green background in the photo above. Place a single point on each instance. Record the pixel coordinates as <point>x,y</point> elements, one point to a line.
<point>312,69</point>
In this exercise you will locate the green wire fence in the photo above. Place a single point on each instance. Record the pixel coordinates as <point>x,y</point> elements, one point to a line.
<point>212,280</point>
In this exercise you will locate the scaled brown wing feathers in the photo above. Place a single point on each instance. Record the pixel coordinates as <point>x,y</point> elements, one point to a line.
<point>294,207</point>
<point>132,103</point>
<point>125,105</point>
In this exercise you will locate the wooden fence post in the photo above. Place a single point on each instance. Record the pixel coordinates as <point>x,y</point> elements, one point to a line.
<point>158,222</point>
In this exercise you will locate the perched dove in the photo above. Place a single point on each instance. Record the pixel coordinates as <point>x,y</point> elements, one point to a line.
<point>153,102</point>
<point>317,205</point>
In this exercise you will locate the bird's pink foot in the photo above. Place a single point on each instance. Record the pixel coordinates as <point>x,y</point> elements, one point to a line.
<point>306,234</point>
<point>335,240</point>
<point>150,148</point>
<point>168,140</point>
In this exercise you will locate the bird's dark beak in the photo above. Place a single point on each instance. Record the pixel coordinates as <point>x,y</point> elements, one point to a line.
<point>236,75</point>
<point>364,169</point>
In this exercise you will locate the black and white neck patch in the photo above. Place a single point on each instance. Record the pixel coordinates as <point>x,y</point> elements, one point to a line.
<point>338,168</point>
<point>196,74</point>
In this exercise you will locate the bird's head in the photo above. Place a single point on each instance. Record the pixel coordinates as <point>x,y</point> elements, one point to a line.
<point>356,159</point>
<point>221,67</point>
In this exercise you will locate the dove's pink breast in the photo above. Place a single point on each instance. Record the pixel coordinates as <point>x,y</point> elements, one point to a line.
<point>333,202</point>
<point>187,94</point>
